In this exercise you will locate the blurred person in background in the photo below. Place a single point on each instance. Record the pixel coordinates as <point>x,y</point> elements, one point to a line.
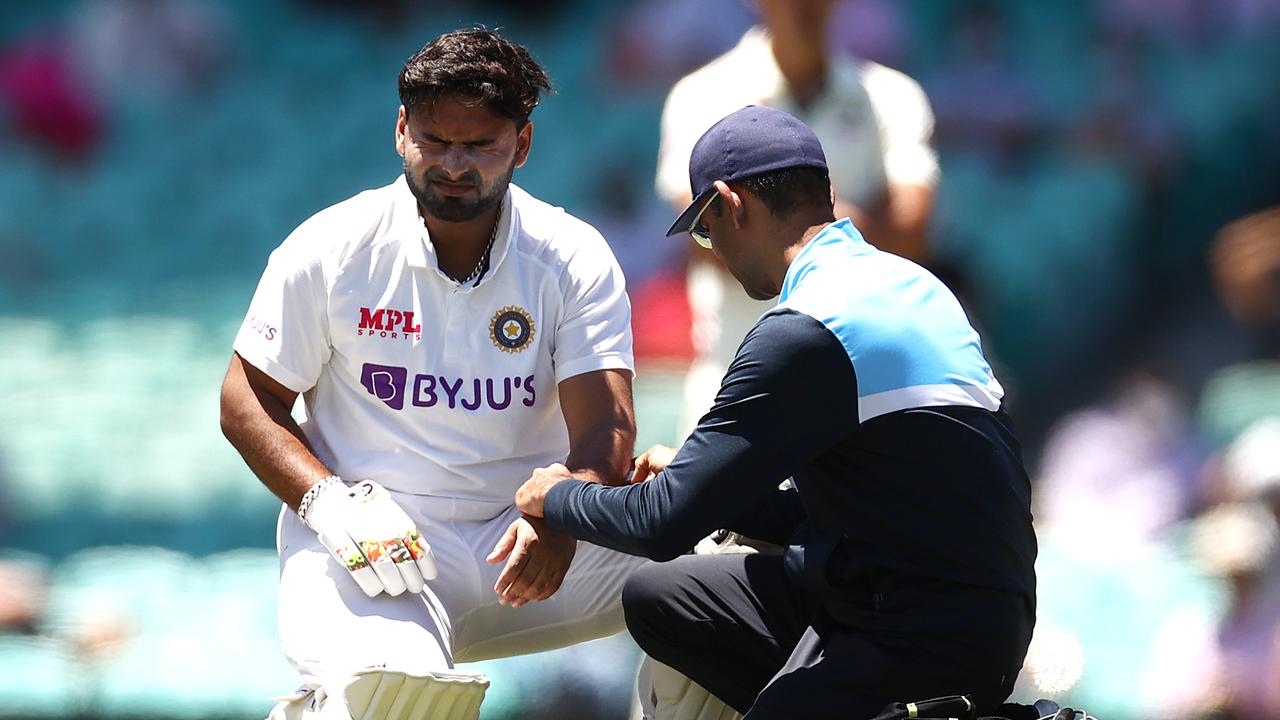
<point>985,100</point>
<point>165,50</point>
<point>1127,466</point>
<point>23,587</point>
<point>46,100</point>
<point>1239,670</point>
<point>1244,263</point>
<point>874,121</point>
<point>653,43</point>
<point>448,333</point>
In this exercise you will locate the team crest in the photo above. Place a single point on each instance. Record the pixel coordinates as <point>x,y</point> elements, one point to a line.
<point>512,329</point>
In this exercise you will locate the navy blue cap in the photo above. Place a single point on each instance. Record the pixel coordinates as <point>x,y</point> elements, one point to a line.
<point>749,142</point>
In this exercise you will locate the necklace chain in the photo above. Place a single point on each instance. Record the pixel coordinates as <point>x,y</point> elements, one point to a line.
<point>475,272</point>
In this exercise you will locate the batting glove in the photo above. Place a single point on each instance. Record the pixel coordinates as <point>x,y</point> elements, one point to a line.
<point>371,536</point>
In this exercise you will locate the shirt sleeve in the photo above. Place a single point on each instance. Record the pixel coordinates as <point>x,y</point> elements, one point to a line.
<point>594,331</point>
<point>789,394</point>
<point>675,145</point>
<point>906,125</point>
<point>286,331</point>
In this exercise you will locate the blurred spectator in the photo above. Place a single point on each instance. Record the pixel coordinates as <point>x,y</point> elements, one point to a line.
<point>22,596</point>
<point>161,49</point>
<point>632,221</point>
<point>1245,266</point>
<point>1124,118</point>
<point>652,43</point>
<point>984,98</point>
<point>1191,24</point>
<point>1251,466</point>
<point>869,29</point>
<point>1180,22</point>
<point>1126,468</point>
<point>49,104</point>
<point>1241,677</point>
<point>874,123</point>
<point>1245,262</point>
<point>23,585</point>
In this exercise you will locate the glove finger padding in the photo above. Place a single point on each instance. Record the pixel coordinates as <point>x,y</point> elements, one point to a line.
<point>373,538</point>
<point>379,554</point>
<point>345,550</point>
<point>409,571</point>
<point>420,550</point>
<point>380,524</point>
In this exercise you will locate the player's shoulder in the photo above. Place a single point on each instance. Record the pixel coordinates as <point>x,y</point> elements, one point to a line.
<point>750,55</point>
<point>342,229</point>
<point>553,237</point>
<point>888,86</point>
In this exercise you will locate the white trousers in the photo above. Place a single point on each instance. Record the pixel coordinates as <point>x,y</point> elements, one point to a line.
<point>329,628</point>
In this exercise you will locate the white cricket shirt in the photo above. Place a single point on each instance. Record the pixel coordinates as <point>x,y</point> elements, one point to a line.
<point>421,384</point>
<point>874,122</point>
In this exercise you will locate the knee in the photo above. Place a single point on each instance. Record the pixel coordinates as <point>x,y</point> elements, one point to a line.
<point>646,599</point>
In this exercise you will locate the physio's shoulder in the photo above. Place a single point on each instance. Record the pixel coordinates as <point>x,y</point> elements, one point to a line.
<point>792,356</point>
<point>870,298</point>
<point>791,338</point>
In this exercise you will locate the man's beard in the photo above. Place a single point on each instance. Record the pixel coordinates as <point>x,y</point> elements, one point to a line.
<point>457,209</point>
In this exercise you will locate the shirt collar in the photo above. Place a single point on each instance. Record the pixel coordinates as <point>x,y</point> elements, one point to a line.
<point>416,240</point>
<point>753,58</point>
<point>840,236</point>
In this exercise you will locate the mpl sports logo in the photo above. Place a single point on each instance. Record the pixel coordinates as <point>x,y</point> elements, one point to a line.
<point>390,384</point>
<point>389,324</point>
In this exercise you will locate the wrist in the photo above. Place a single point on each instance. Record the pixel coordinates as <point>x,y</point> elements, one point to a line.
<point>551,484</point>
<point>308,503</point>
<point>594,475</point>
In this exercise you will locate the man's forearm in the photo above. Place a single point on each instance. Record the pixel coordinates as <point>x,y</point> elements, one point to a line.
<point>268,438</point>
<point>603,454</point>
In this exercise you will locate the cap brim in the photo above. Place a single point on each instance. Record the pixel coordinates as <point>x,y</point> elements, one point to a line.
<point>685,221</point>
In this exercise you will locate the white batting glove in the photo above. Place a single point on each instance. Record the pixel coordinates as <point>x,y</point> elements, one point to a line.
<point>371,536</point>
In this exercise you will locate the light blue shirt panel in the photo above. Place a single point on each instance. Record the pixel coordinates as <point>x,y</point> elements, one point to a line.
<point>901,327</point>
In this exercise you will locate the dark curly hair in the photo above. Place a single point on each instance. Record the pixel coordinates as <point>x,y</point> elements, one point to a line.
<point>478,65</point>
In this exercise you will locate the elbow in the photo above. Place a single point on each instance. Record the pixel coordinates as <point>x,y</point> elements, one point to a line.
<point>665,553</point>
<point>230,414</point>
<point>664,547</point>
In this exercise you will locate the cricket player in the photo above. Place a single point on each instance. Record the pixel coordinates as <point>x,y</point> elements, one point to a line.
<point>908,570</point>
<point>447,333</point>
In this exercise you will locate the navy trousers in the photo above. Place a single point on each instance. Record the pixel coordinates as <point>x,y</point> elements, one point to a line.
<point>741,628</point>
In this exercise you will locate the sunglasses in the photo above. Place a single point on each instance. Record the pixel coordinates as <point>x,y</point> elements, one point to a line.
<point>699,232</point>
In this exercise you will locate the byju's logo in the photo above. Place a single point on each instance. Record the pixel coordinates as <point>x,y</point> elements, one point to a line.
<point>389,383</point>
<point>386,383</point>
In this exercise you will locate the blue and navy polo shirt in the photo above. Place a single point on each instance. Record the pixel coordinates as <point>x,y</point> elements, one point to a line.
<point>867,385</point>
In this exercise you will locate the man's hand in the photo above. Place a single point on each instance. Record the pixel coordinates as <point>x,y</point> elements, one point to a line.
<point>653,461</point>
<point>538,558</point>
<point>372,537</point>
<point>534,490</point>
